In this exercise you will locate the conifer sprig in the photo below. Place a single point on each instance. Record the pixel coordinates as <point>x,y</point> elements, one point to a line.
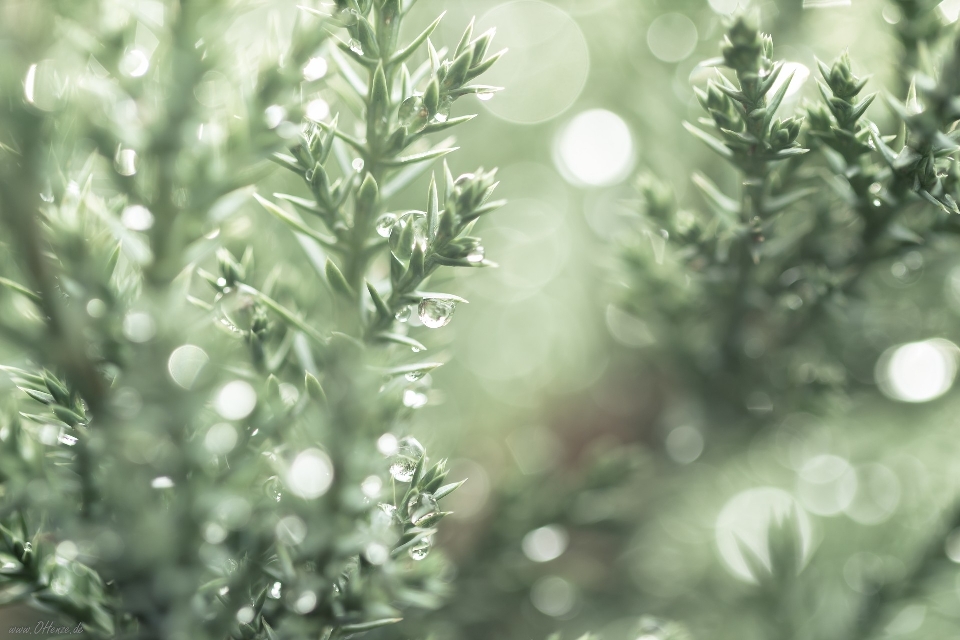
<point>219,465</point>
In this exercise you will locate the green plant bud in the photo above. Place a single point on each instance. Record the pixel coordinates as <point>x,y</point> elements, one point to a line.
<point>328,138</point>
<point>379,103</point>
<point>314,390</point>
<point>397,141</point>
<point>717,100</point>
<point>657,196</point>
<point>743,47</point>
<point>431,97</point>
<point>465,43</point>
<point>319,183</point>
<point>336,279</point>
<point>260,322</point>
<point>767,47</point>
<point>302,152</point>
<point>446,225</point>
<point>389,27</point>
<point>417,261</point>
<point>368,38</point>
<point>819,117</point>
<point>457,73</point>
<point>56,388</point>
<point>481,45</point>
<point>368,196</point>
<point>230,269</point>
<point>413,114</point>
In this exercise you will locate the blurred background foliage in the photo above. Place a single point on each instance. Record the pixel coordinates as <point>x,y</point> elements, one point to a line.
<point>596,495</point>
<point>595,491</point>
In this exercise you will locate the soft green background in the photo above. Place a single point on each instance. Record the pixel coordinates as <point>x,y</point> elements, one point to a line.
<point>536,386</point>
<point>556,422</point>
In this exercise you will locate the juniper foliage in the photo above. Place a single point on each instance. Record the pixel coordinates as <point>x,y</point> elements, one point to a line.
<point>765,286</point>
<point>200,447</point>
<point>757,300</point>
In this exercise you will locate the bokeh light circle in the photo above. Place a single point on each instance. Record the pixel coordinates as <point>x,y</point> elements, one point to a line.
<point>746,520</point>
<point>595,149</point>
<point>546,543</point>
<point>727,6</point>
<point>546,66</point>
<point>917,371</point>
<point>826,485</point>
<point>797,72</point>
<point>672,37</point>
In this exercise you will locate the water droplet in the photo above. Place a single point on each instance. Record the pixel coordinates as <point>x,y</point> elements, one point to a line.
<point>443,111</point>
<point>136,218</point>
<point>238,310</point>
<point>273,488</point>
<point>419,236</point>
<point>404,314</point>
<point>389,510</point>
<point>67,439</point>
<point>486,96</point>
<point>356,47</point>
<point>435,312</point>
<point>311,474</point>
<point>385,224</point>
<point>476,256</point>
<point>404,463</point>
<point>414,399</point>
<point>161,482</point>
<point>274,115</point>
<point>275,591</point>
<point>357,165</point>
<point>876,202</point>
<point>421,508</point>
<point>125,162</point>
<point>412,114</point>
<point>315,69</point>
<point>421,550</point>
<point>413,376</point>
<point>876,188</point>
